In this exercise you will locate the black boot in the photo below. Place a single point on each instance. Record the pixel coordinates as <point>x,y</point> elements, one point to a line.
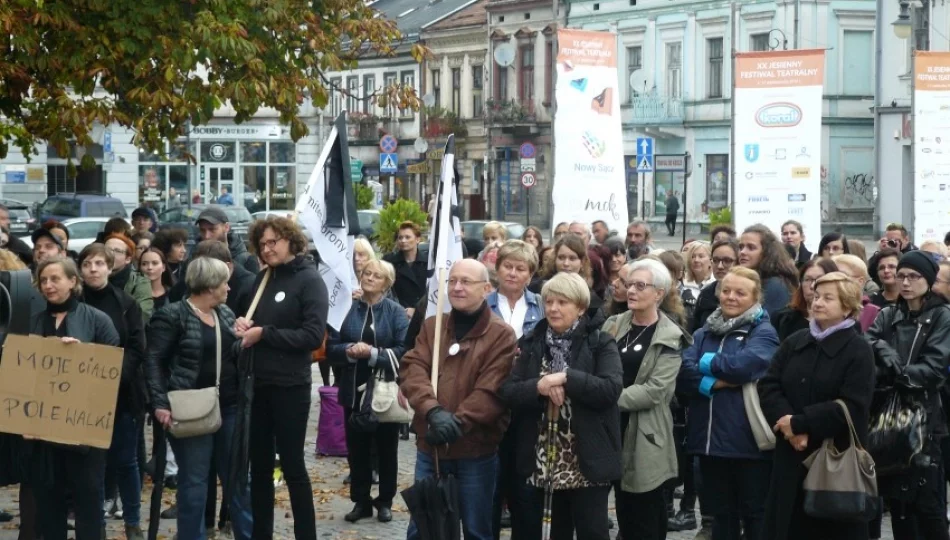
<point>360,511</point>
<point>682,521</point>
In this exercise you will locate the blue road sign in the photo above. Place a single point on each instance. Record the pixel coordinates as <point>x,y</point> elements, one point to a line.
<point>644,154</point>
<point>388,163</point>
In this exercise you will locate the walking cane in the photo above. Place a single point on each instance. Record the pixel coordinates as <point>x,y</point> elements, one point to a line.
<point>553,411</point>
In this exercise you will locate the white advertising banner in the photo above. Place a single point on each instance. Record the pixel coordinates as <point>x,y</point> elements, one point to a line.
<point>589,182</point>
<point>931,145</point>
<point>777,146</point>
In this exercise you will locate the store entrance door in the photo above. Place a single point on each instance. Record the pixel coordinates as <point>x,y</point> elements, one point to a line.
<point>219,178</point>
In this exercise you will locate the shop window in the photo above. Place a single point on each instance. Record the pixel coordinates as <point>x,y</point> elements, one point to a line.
<point>663,184</point>
<point>717,181</point>
<point>255,188</point>
<point>282,152</point>
<point>217,151</point>
<point>283,187</point>
<point>178,183</point>
<point>253,152</point>
<point>151,185</point>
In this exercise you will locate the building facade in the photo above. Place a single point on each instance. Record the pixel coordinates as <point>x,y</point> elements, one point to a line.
<point>456,76</point>
<point>521,38</point>
<point>675,61</point>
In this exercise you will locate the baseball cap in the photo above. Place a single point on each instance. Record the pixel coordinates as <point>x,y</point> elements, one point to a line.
<point>43,232</point>
<point>142,212</point>
<point>213,215</point>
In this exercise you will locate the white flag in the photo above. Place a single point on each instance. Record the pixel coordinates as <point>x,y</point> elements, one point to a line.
<point>445,243</point>
<point>333,244</point>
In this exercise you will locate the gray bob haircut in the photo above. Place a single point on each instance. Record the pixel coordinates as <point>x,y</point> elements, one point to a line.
<point>661,276</point>
<point>569,286</point>
<point>205,274</point>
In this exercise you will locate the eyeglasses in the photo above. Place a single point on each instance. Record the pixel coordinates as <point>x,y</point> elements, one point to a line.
<point>913,278</point>
<point>269,244</point>
<point>118,251</point>
<point>638,285</point>
<point>465,282</point>
<point>726,261</point>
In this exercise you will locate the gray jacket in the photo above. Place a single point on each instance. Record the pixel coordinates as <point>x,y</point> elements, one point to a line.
<point>649,451</point>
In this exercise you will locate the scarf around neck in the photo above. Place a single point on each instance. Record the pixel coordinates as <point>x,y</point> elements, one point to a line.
<point>721,326</point>
<point>820,334</point>
<point>559,347</point>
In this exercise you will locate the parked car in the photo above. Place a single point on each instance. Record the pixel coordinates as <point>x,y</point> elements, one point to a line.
<point>63,206</point>
<point>472,234</point>
<point>22,221</point>
<point>82,232</point>
<point>184,218</point>
<point>369,221</point>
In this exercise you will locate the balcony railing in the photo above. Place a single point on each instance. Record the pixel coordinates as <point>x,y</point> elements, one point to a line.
<point>652,108</point>
<point>508,112</point>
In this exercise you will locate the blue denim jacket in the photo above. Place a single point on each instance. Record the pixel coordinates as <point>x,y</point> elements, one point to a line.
<point>532,317</point>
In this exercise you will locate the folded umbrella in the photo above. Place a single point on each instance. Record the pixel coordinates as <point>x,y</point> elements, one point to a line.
<point>433,504</point>
<point>159,453</point>
<point>241,440</point>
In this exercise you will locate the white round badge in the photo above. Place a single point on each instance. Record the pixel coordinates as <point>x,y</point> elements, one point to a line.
<point>454,349</point>
<point>280,297</point>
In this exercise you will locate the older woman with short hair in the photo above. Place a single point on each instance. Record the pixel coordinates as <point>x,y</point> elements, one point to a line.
<point>375,327</point>
<point>855,268</point>
<point>650,344</point>
<point>812,369</point>
<point>186,340</point>
<point>796,314</point>
<point>565,385</point>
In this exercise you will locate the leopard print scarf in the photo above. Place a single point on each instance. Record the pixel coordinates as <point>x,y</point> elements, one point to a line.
<point>559,347</point>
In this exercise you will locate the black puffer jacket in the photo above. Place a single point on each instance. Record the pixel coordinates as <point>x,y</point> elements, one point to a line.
<point>293,313</point>
<point>240,255</point>
<point>920,367</point>
<point>594,383</point>
<point>173,360</point>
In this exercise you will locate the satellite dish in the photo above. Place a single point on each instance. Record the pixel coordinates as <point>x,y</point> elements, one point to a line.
<point>428,100</point>
<point>638,81</point>
<point>421,145</point>
<point>505,54</point>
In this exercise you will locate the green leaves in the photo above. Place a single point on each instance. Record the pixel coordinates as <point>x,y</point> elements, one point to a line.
<point>153,65</point>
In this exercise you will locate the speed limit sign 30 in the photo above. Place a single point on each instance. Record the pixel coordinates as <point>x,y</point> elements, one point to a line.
<point>528,179</point>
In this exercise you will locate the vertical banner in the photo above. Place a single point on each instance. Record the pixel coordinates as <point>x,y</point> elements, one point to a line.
<point>777,146</point>
<point>589,161</point>
<point>931,123</point>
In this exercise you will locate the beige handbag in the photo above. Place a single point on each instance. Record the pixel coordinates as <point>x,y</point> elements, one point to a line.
<point>761,430</point>
<point>198,412</point>
<point>390,406</point>
<point>841,485</point>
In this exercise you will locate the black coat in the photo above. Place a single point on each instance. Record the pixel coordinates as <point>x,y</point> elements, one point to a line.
<point>410,284</point>
<point>293,313</point>
<point>706,304</point>
<point>803,256</point>
<point>787,321</point>
<point>804,380</point>
<point>594,383</point>
<point>174,357</point>
<point>128,323</point>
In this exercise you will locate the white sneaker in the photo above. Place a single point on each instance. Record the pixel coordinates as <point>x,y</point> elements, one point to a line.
<point>118,509</point>
<point>108,508</point>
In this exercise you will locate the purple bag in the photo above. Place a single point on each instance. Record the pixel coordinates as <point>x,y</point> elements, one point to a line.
<point>331,434</point>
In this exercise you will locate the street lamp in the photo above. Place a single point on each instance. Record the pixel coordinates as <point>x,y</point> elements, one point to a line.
<point>903,28</point>
<point>774,42</point>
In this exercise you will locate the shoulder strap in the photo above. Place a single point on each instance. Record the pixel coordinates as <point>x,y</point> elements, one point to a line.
<point>217,349</point>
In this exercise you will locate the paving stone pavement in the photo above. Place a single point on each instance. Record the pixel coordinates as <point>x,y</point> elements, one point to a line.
<point>330,495</point>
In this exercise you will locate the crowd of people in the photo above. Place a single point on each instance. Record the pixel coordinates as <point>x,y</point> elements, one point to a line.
<point>568,370</point>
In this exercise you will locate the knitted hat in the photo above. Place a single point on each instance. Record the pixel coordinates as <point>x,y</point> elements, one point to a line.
<point>921,263</point>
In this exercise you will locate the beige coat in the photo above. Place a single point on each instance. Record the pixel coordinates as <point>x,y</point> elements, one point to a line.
<point>649,451</point>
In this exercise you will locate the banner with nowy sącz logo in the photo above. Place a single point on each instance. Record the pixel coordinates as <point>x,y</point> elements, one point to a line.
<point>931,145</point>
<point>777,145</point>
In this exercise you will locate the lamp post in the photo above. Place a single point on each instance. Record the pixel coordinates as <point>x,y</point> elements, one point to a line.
<point>903,27</point>
<point>774,42</point>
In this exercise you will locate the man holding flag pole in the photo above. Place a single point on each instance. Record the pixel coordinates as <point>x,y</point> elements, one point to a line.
<point>452,375</point>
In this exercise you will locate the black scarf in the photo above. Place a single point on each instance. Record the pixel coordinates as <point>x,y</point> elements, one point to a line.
<point>121,278</point>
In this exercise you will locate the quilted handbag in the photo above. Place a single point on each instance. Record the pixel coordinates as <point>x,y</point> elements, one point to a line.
<point>198,412</point>
<point>390,406</point>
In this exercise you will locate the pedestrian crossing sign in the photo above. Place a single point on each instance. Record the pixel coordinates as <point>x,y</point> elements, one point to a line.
<point>645,163</point>
<point>388,163</point>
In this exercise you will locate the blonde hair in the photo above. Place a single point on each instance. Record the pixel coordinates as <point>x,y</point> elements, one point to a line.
<point>9,261</point>
<point>695,246</point>
<point>853,262</point>
<point>569,286</point>
<point>932,246</point>
<point>494,227</point>
<point>363,246</point>
<point>747,273</point>
<point>387,269</point>
<point>518,250</point>
<point>849,293</point>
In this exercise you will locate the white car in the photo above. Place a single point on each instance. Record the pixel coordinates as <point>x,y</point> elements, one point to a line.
<point>82,231</point>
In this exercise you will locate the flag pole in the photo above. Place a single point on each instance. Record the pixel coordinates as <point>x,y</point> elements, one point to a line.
<point>439,316</point>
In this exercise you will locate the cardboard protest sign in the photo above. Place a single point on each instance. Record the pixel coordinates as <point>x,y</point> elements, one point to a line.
<point>58,392</point>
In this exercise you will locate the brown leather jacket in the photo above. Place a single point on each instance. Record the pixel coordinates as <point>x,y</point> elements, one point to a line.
<point>468,383</point>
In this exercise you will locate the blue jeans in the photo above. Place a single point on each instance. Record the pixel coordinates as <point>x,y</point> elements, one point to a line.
<point>194,455</point>
<point>476,482</point>
<point>123,460</point>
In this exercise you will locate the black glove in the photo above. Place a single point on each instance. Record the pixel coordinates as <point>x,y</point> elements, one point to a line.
<point>444,427</point>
